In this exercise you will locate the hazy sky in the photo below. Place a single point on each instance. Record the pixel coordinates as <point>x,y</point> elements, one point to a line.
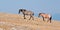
<point>46,6</point>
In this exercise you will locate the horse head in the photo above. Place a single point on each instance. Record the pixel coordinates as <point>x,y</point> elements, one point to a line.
<point>22,10</point>
<point>39,14</point>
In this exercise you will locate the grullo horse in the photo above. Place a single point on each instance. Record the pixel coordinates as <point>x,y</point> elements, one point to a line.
<point>26,12</point>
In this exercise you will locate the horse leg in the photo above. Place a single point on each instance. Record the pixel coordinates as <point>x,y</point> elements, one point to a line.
<point>30,17</point>
<point>24,16</point>
<point>43,19</point>
<point>50,19</point>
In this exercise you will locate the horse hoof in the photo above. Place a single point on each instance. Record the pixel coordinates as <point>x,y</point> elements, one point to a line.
<point>24,18</point>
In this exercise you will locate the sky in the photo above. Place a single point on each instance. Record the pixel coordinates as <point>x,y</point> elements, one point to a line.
<point>45,6</point>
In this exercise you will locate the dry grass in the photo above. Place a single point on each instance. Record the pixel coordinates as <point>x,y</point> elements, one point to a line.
<point>16,22</point>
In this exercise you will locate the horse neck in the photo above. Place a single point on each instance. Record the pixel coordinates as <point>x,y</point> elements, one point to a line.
<point>42,15</point>
<point>24,12</point>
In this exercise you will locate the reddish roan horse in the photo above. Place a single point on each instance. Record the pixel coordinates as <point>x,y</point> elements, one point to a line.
<point>47,16</point>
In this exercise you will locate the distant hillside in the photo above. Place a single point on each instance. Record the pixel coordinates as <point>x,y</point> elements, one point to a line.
<point>16,22</point>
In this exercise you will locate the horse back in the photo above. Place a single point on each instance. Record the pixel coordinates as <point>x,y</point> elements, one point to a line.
<point>28,12</point>
<point>46,15</point>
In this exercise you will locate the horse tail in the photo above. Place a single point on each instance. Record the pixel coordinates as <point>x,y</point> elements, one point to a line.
<point>33,14</point>
<point>50,19</point>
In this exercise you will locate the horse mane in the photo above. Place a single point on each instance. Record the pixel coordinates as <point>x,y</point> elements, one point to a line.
<point>42,13</point>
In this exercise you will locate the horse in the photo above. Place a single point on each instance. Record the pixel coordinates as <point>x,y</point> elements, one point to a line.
<point>26,12</point>
<point>44,15</point>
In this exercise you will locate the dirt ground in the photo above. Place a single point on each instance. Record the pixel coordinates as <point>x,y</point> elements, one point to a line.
<point>16,22</point>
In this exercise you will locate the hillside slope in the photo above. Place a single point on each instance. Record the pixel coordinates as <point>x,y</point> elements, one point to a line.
<point>16,22</point>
